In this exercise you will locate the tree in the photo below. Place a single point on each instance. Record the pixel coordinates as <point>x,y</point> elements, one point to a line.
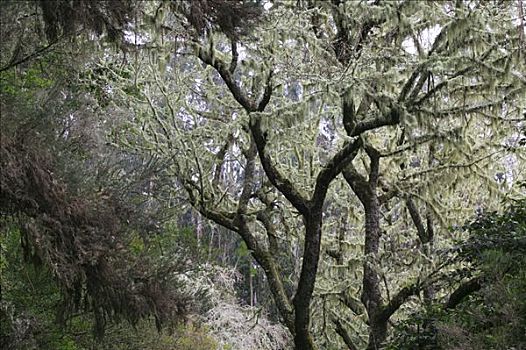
<point>339,137</point>
<point>357,131</point>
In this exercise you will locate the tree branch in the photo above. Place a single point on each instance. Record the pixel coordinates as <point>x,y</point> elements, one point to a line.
<point>259,252</point>
<point>28,57</point>
<point>284,185</point>
<point>478,107</point>
<point>334,167</point>
<point>265,99</point>
<point>349,115</point>
<point>249,104</point>
<point>206,57</point>
<point>409,85</point>
<point>248,181</point>
<point>447,166</point>
<point>462,292</point>
<point>354,305</point>
<point>342,332</point>
<point>419,140</point>
<point>221,157</point>
<point>398,300</point>
<point>374,157</point>
<point>264,217</point>
<point>235,56</point>
<point>390,118</point>
<point>417,220</point>
<point>342,46</point>
<point>225,219</point>
<point>357,182</point>
<point>265,259</point>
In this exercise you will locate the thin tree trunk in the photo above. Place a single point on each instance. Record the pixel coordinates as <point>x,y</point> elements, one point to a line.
<point>250,285</point>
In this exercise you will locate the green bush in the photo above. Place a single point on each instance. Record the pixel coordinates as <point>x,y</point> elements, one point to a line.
<point>493,317</point>
<point>31,300</point>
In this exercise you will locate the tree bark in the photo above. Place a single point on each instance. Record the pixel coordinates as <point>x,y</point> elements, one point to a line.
<point>303,338</point>
<point>462,292</point>
<point>371,297</point>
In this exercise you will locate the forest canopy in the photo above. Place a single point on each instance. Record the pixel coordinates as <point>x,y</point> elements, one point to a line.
<point>262,174</point>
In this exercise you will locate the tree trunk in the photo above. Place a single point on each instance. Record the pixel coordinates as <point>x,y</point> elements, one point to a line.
<point>371,295</point>
<point>377,333</point>
<point>303,338</point>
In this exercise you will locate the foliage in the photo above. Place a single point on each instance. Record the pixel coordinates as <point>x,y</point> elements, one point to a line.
<point>337,139</point>
<point>495,232</point>
<point>80,240</point>
<point>28,296</point>
<point>76,232</point>
<point>492,316</point>
<point>64,18</point>
<point>115,19</point>
<point>31,301</point>
<point>233,18</point>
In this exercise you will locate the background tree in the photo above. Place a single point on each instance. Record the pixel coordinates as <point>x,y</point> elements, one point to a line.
<point>402,98</point>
